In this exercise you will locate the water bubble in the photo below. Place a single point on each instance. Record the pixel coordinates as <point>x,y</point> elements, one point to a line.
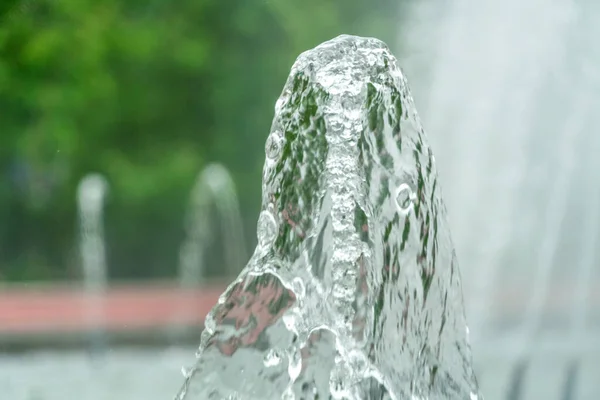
<point>280,103</point>
<point>273,146</point>
<point>272,358</point>
<point>371,59</point>
<point>289,320</point>
<point>298,287</point>
<point>405,198</point>
<point>267,229</point>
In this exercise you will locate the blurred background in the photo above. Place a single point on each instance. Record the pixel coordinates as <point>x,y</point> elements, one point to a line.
<point>132,142</point>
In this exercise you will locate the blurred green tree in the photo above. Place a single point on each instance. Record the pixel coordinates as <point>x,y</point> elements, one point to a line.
<point>145,93</point>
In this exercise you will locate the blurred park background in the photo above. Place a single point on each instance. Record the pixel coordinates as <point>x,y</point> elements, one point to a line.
<point>150,93</point>
<point>145,93</point>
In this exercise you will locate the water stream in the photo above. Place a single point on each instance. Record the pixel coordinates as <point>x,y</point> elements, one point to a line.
<point>508,89</point>
<point>214,186</point>
<point>214,189</point>
<point>353,291</point>
<point>91,192</point>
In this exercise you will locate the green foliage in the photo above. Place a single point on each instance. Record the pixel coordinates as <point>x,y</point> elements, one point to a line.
<point>145,93</point>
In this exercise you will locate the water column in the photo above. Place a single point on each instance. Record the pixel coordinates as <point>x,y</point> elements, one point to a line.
<point>90,198</point>
<point>484,94</point>
<point>353,290</point>
<point>214,187</point>
<point>509,90</point>
<point>582,380</point>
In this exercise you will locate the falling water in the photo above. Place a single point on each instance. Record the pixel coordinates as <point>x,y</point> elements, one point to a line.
<point>353,291</point>
<point>90,198</point>
<point>509,91</point>
<point>213,186</point>
<point>585,267</point>
<point>588,262</point>
<point>556,212</point>
<point>490,63</point>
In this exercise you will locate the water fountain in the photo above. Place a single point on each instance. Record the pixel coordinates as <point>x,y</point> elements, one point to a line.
<point>490,64</point>
<point>353,291</point>
<point>91,192</point>
<point>213,186</point>
<point>508,90</point>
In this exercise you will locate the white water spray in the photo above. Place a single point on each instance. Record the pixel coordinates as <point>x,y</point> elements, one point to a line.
<point>91,193</point>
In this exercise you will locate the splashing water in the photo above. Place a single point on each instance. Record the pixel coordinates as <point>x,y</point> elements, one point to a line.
<point>353,291</point>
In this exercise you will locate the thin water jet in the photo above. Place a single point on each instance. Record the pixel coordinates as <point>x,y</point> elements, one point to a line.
<point>214,186</point>
<point>354,286</point>
<point>91,193</point>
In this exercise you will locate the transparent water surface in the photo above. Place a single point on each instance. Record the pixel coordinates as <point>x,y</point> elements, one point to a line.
<point>353,291</point>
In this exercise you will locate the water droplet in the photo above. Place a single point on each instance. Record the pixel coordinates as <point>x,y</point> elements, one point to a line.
<point>186,372</point>
<point>298,287</point>
<point>279,103</point>
<point>295,365</point>
<point>404,199</point>
<point>289,320</point>
<point>209,323</point>
<point>272,358</point>
<point>267,229</point>
<point>273,146</point>
<point>371,59</point>
<point>473,396</point>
